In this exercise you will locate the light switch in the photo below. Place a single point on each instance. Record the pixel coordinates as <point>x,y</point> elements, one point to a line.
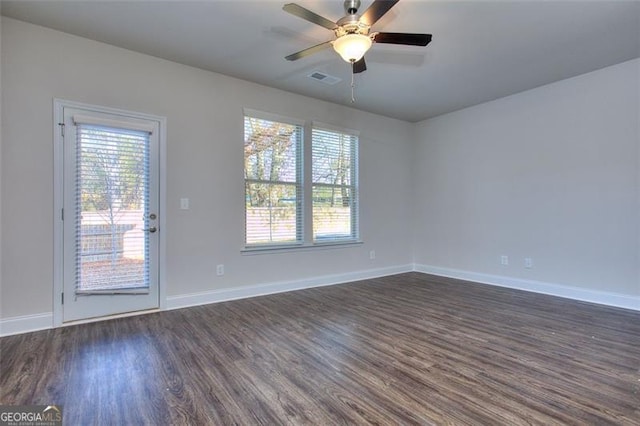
<point>184,204</point>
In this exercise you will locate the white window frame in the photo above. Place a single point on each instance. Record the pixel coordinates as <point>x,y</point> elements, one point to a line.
<point>300,228</point>
<point>307,185</point>
<point>354,186</point>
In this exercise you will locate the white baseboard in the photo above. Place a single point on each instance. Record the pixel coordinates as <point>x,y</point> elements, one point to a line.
<point>593,296</point>
<point>227,294</point>
<point>43,321</point>
<point>26,323</point>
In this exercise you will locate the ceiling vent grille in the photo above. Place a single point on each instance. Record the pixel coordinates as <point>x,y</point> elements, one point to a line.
<point>324,78</point>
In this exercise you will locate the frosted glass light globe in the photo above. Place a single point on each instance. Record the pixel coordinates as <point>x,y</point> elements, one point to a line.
<point>352,47</point>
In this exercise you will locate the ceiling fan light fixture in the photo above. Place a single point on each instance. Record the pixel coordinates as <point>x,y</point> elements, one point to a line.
<point>352,47</point>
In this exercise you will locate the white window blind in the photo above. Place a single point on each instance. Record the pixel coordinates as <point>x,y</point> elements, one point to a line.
<point>273,182</point>
<point>334,185</point>
<point>111,203</point>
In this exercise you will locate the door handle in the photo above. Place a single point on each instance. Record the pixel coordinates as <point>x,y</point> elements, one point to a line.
<point>151,229</point>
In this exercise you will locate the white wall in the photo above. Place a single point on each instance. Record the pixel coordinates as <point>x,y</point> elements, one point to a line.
<point>551,174</point>
<point>204,163</point>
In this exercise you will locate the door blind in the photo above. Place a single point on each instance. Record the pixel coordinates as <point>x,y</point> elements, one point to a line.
<point>111,210</point>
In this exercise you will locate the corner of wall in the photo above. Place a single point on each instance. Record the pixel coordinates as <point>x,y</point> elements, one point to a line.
<point>637,65</point>
<point>1,168</point>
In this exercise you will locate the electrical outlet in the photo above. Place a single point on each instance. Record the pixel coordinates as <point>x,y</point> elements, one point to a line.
<point>184,204</point>
<point>220,270</point>
<point>528,262</point>
<point>372,254</point>
<point>504,260</point>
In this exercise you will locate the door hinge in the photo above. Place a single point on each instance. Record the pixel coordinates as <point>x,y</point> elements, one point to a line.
<point>62,298</point>
<point>62,214</point>
<point>61,128</point>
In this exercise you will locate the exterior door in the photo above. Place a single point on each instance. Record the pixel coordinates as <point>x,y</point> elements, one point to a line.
<point>110,213</point>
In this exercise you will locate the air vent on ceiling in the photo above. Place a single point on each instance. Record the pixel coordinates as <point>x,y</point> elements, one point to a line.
<point>324,78</point>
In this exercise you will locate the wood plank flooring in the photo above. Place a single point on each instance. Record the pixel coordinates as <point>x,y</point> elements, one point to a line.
<point>405,349</point>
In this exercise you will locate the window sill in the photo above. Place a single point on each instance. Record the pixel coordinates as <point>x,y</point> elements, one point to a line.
<point>250,251</point>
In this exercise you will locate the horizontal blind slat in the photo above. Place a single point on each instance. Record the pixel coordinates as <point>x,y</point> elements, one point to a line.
<point>113,123</point>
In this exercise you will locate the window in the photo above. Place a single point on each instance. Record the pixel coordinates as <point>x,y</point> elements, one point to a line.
<point>273,182</point>
<point>334,190</point>
<point>294,171</point>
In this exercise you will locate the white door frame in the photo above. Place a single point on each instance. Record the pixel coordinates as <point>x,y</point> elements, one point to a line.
<point>58,201</point>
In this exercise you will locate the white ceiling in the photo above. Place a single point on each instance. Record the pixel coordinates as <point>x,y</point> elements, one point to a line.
<point>481,50</point>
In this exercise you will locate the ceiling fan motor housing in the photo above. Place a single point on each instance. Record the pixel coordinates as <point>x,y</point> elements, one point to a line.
<point>351,6</point>
<point>350,24</point>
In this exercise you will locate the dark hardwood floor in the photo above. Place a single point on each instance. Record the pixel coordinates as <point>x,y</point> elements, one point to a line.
<point>406,349</point>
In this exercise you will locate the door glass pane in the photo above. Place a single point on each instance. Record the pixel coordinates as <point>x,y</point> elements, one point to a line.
<point>111,208</point>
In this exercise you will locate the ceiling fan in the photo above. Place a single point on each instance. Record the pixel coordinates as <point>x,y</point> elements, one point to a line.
<point>353,36</point>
